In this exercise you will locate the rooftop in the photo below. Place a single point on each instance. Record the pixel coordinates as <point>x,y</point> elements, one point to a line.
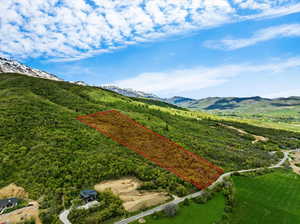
<point>88,193</point>
<point>7,201</point>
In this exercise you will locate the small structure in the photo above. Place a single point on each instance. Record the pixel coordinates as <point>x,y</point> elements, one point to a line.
<point>88,195</point>
<point>8,203</point>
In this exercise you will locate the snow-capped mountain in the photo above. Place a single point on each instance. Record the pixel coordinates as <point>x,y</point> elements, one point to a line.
<point>80,83</point>
<point>130,92</point>
<point>11,66</point>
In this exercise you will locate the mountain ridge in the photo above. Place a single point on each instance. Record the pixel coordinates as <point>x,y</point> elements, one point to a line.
<point>282,109</point>
<point>191,102</point>
<point>12,66</point>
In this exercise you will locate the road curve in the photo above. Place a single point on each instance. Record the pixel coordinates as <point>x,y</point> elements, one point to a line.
<point>199,193</point>
<point>63,216</point>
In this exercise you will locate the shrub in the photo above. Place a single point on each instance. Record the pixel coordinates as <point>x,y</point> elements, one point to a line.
<point>186,202</point>
<point>170,210</point>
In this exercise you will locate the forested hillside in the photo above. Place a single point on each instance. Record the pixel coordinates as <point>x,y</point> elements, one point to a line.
<point>279,110</point>
<point>44,149</point>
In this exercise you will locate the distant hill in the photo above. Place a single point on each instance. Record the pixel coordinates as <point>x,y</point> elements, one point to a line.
<point>284,110</point>
<point>130,92</point>
<point>179,100</point>
<point>241,104</point>
<point>279,109</point>
<point>176,100</point>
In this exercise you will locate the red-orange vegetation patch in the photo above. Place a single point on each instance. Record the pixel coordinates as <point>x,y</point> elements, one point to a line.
<point>154,147</point>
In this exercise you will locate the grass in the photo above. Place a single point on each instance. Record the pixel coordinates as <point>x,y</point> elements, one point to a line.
<point>270,198</point>
<point>264,122</point>
<point>195,213</point>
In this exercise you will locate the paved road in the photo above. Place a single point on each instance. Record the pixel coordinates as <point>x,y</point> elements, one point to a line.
<point>64,215</point>
<point>199,193</point>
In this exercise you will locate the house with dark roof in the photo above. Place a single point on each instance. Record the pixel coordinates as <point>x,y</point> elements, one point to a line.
<point>8,203</point>
<point>88,195</point>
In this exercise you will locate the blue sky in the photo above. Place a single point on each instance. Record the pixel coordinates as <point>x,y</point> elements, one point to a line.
<point>193,48</point>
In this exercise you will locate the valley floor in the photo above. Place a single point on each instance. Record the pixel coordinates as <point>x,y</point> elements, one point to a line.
<point>270,198</point>
<point>259,199</point>
<point>221,178</point>
<point>194,213</point>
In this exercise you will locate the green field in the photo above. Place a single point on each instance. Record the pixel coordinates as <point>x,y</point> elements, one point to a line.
<point>195,213</point>
<point>282,113</point>
<point>271,198</point>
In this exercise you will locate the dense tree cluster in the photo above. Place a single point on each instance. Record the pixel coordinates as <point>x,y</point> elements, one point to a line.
<point>109,206</point>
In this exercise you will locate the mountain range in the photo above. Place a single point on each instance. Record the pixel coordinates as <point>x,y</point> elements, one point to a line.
<point>279,109</point>
<point>131,92</point>
<point>255,104</point>
<point>286,110</point>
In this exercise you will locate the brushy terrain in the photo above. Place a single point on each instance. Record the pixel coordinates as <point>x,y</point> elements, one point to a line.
<point>44,149</point>
<point>270,198</point>
<point>154,147</point>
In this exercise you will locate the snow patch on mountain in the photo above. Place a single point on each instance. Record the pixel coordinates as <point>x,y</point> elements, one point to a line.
<point>11,66</point>
<point>129,92</point>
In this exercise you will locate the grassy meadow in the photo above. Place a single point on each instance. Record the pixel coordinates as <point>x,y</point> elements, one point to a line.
<point>270,198</point>
<point>194,213</point>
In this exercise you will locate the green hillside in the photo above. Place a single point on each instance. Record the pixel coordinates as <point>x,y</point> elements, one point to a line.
<point>278,113</point>
<point>44,149</point>
<point>249,105</point>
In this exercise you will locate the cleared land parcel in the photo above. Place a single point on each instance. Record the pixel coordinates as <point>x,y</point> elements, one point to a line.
<point>158,149</point>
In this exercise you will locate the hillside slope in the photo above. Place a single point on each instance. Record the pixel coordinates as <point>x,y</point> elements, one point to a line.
<point>278,113</point>
<point>278,110</point>
<point>44,149</point>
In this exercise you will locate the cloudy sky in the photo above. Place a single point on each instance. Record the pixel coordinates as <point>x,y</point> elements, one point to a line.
<point>193,48</point>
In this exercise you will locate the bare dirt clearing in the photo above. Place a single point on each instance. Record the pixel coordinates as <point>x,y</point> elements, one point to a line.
<point>13,190</point>
<point>133,200</point>
<point>295,160</point>
<point>257,137</point>
<point>22,214</point>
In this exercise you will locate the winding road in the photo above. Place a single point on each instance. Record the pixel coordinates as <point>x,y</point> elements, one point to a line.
<point>64,215</point>
<point>199,193</point>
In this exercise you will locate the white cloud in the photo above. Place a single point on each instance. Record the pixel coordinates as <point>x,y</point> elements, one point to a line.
<point>184,80</point>
<point>286,30</point>
<point>74,29</point>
